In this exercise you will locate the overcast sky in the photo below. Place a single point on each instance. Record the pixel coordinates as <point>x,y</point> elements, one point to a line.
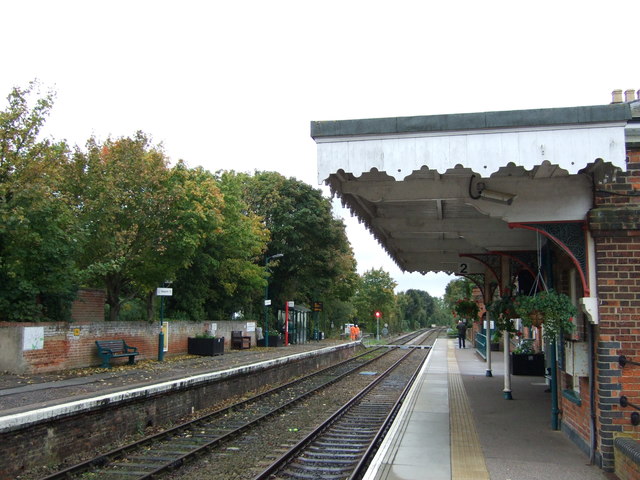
<point>235,84</point>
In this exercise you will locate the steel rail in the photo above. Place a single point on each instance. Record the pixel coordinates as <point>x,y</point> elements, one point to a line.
<point>279,466</point>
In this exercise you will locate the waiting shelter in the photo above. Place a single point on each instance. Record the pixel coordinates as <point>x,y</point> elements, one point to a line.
<point>505,198</point>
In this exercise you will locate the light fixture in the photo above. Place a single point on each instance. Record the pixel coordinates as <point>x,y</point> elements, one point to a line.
<point>499,197</point>
<point>492,195</point>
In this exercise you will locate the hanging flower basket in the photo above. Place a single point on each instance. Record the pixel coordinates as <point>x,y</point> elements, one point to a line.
<point>502,312</point>
<point>550,309</point>
<point>467,309</point>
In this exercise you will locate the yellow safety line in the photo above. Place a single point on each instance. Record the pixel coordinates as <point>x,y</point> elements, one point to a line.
<point>467,459</point>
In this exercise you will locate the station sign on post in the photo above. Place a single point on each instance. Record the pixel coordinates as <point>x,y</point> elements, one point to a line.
<point>164,327</point>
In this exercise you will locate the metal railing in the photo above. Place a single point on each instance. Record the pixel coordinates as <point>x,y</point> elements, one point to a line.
<point>481,344</point>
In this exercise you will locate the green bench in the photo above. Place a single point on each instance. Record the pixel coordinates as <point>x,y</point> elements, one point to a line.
<point>108,349</point>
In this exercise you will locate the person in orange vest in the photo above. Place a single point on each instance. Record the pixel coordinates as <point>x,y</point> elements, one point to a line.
<point>357,332</point>
<point>352,330</point>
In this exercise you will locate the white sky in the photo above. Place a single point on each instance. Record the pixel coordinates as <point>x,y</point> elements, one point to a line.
<point>235,84</point>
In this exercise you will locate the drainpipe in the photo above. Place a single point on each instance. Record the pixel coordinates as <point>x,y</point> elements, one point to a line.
<point>592,397</point>
<point>555,410</point>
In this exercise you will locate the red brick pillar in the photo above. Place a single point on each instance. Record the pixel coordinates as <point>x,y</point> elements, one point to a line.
<point>615,227</point>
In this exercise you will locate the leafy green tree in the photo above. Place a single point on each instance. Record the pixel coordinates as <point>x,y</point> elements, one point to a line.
<point>317,261</point>
<point>225,275</point>
<point>37,230</point>
<point>442,313</point>
<point>458,289</point>
<point>142,221</point>
<point>376,293</point>
<point>416,307</point>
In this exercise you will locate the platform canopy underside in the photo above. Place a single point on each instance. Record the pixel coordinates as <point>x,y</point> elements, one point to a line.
<point>433,189</point>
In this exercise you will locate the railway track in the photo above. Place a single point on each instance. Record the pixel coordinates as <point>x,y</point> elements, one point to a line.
<point>342,446</point>
<point>214,433</point>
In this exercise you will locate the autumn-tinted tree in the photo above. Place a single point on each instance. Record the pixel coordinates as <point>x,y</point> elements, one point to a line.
<point>142,220</point>
<point>38,236</point>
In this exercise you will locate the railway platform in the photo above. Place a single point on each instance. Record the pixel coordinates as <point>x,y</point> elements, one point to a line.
<point>456,425</point>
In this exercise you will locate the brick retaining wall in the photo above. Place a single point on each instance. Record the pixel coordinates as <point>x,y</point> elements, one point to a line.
<point>72,345</point>
<point>52,441</point>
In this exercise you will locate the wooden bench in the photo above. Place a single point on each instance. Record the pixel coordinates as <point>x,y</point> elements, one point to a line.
<point>108,349</point>
<point>240,341</point>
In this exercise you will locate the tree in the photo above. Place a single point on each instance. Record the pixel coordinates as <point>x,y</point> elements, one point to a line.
<point>442,312</point>
<point>317,261</point>
<point>458,289</point>
<point>38,235</point>
<point>225,275</point>
<point>142,221</point>
<point>415,309</point>
<point>375,293</point>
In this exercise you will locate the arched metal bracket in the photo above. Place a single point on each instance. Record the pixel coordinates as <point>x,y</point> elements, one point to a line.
<point>491,261</point>
<point>570,237</point>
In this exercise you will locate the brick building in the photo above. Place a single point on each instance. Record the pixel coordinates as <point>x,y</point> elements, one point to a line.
<point>505,198</point>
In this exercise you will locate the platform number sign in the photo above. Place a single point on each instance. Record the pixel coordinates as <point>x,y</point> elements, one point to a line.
<point>463,268</point>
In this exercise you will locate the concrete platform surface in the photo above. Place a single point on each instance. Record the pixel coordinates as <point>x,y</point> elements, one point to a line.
<point>456,424</point>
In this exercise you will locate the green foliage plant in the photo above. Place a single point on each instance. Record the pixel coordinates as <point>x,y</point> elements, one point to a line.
<point>551,309</point>
<point>205,335</point>
<point>525,347</point>
<point>502,311</point>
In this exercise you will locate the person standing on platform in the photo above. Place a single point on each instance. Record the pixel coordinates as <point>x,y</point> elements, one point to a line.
<point>462,333</point>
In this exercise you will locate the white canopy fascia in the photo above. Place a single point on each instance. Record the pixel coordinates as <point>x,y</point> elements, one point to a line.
<point>571,147</point>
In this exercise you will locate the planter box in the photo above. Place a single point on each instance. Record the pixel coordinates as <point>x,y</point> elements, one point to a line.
<point>205,346</point>
<point>527,364</point>
<point>274,341</point>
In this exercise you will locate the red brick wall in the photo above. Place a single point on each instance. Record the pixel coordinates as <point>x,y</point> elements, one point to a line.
<point>88,306</point>
<point>574,415</point>
<point>615,227</point>
<point>72,345</point>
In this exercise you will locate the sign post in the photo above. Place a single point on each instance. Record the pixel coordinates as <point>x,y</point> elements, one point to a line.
<point>162,292</point>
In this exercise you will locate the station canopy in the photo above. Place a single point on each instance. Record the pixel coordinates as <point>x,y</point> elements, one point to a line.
<point>437,189</point>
